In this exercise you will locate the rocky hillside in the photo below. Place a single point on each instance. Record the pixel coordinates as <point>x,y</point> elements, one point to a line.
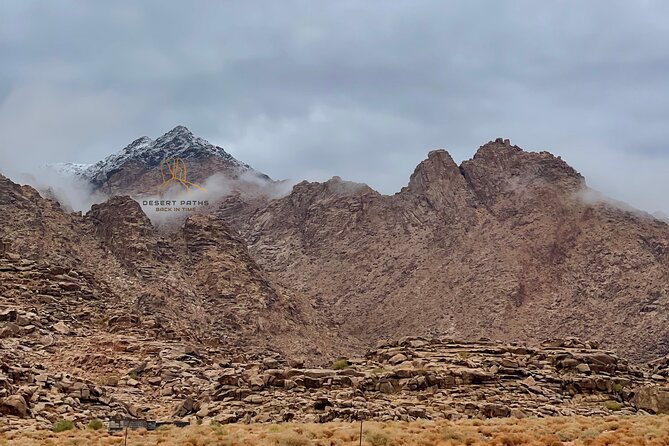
<point>503,245</point>
<point>111,271</point>
<point>239,315</point>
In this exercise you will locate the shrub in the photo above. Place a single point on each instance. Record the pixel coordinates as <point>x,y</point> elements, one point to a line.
<point>95,424</point>
<point>567,434</point>
<point>451,434</point>
<point>377,438</point>
<point>590,433</point>
<point>63,425</point>
<point>613,405</point>
<point>340,364</point>
<point>291,440</point>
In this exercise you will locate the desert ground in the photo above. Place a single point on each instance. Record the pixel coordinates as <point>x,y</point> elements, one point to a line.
<point>572,431</point>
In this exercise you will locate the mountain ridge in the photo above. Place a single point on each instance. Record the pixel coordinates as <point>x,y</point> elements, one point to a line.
<point>503,245</point>
<point>493,247</point>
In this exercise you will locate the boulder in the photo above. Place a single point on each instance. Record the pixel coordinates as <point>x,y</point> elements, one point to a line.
<point>653,399</point>
<point>14,405</point>
<point>398,358</point>
<point>187,406</point>
<point>62,328</point>
<point>496,411</point>
<point>10,330</point>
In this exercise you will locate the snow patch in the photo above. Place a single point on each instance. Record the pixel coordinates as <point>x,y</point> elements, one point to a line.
<point>177,143</point>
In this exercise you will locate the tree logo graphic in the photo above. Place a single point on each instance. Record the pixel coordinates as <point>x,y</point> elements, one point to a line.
<point>173,170</point>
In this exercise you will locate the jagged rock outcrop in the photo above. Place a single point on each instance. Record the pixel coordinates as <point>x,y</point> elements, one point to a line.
<point>124,229</point>
<point>439,182</point>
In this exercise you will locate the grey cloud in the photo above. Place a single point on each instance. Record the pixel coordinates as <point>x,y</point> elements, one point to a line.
<point>360,89</point>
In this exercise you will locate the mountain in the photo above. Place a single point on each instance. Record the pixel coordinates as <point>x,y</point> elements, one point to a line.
<point>503,246</point>
<point>136,169</point>
<point>237,313</point>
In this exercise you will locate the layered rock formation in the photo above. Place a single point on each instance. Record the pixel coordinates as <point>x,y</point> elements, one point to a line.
<point>407,379</point>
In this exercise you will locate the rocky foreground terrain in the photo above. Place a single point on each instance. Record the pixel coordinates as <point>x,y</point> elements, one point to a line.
<point>554,431</point>
<point>51,372</point>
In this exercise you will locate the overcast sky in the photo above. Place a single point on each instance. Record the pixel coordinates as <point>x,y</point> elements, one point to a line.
<point>360,89</point>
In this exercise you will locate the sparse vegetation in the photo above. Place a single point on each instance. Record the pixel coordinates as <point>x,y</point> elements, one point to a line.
<point>95,424</point>
<point>613,405</point>
<point>340,364</point>
<point>450,433</point>
<point>63,425</point>
<point>617,388</point>
<point>615,430</point>
<point>377,438</point>
<point>292,440</point>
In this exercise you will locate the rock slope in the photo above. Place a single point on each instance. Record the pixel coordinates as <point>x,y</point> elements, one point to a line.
<point>503,245</point>
<point>112,270</point>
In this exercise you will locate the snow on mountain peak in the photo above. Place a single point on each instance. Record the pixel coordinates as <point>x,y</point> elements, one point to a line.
<point>69,168</point>
<point>177,143</point>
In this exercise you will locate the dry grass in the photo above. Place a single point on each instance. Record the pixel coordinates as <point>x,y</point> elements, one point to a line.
<point>571,431</point>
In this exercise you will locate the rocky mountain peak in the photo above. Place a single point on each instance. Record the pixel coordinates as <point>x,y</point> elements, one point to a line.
<point>135,169</point>
<point>439,182</point>
<point>180,130</point>
<point>438,166</point>
<point>500,169</point>
<point>181,137</point>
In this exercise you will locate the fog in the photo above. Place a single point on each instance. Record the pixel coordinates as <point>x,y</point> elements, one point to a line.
<point>364,90</point>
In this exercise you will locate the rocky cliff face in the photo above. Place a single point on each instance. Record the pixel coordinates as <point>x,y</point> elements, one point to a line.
<point>501,246</point>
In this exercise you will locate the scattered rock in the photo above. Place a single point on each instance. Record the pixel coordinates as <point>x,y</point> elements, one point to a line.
<point>62,328</point>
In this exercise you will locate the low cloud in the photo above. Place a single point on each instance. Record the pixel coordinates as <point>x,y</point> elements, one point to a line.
<point>214,189</point>
<point>74,194</point>
<point>362,90</point>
